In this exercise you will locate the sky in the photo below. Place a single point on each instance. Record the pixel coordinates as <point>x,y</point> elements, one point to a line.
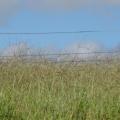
<point>58,16</point>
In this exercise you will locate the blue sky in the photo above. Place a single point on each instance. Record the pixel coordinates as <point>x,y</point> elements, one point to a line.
<point>106,19</point>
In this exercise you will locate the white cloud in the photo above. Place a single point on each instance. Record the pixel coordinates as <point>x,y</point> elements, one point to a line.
<point>83,51</point>
<point>55,4</point>
<point>8,8</point>
<point>17,50</point>
<point>68,4</point>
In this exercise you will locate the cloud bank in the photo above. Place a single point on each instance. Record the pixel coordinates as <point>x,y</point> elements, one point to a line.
<point>69,4</point>
<point>10,7</point>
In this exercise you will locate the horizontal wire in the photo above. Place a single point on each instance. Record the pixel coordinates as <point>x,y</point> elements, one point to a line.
<point>61,32</point>
<point>62,54</point>
<point>57,54</point>
<point>62,61</point>
<point>47,33</point>
<point>69,61</point>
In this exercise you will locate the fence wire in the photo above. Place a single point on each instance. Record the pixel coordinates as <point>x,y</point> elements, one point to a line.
<point>87,57</point>
<point>62,57</point>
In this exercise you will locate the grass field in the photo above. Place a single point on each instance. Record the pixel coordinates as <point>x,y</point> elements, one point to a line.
<point>59,92</point>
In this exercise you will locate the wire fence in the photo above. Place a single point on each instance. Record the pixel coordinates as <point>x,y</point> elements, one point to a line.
<point>86,57</point>
<point>59,57</point>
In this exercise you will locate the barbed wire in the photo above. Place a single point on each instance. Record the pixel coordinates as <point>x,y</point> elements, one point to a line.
<point>34,57</point>
<point>61,54</point>
<point>65,61</point>
<point>37,58</point>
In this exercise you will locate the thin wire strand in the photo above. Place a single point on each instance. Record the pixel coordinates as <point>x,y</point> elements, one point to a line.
<point>48,33</point>
<point>68,61</point>
<point>61,32</point>
<point>62,54</point>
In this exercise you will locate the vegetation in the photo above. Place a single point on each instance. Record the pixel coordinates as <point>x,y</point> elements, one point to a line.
<point>59,91</point>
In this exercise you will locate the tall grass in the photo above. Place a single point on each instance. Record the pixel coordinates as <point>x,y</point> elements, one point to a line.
<point>59,91</point>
